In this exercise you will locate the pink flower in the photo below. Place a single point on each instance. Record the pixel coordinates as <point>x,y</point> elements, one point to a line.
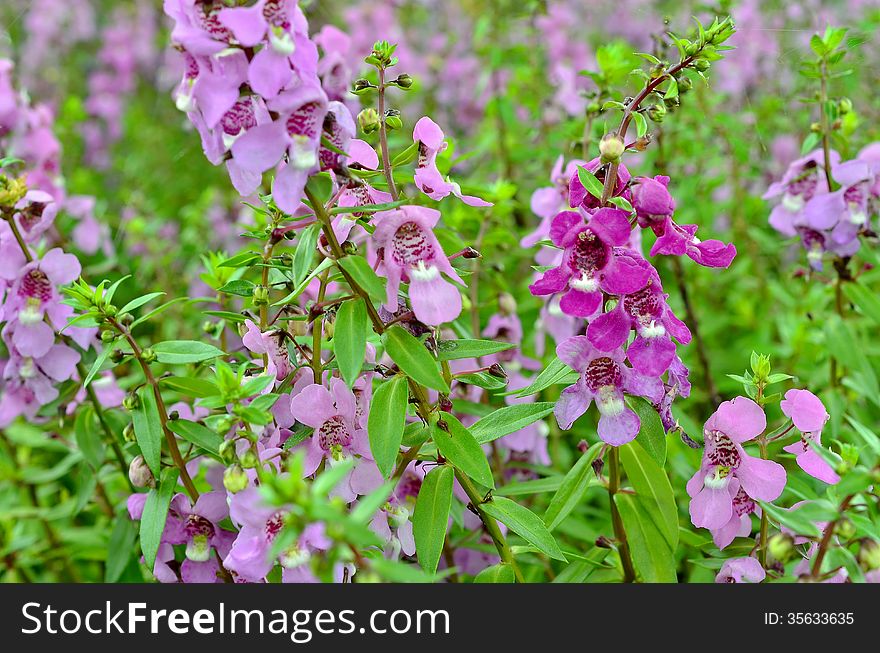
<point>741,570</point>
<point>412,254</point>
<point>274,344</point>
<point>809,416</point>
<point>431,142</point>
<point>726,467</point>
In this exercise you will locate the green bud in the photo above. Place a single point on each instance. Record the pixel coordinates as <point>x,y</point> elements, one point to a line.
<point>845,106</point>
<point>235,479</point>
<point>128,433</point>
<point>611,147</point>
<point>657,112</point>
<point>249,459</point>
<point>108,336</point>
<point>227,452</point>
<point>393,122</point>
<point>507,304</point>
<point>131,401</point>
<point>12,190</point>
<point>684,84</point>
<point>702,65</point>
<point>844,529</point>
<point>126,319</point>
<point>362,86</point>
<point>148,355</point>
<point>117,355</point>
<point>368,119</point>
<point>403,81</point>
<point>261,296</point>
<point>869,554</point>
<point>781,547</point>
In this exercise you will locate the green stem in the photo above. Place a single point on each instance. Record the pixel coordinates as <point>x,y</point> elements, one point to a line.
<point>629,574</point>
<point>383,138</point>
<point>491,525</point>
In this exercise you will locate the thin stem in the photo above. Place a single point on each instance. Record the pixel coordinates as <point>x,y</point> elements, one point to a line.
<point>163,413</point>
<point>317,334</point>
<point>383,138</point>
<point>629,574</point>
<point>491,525</point>
<point>826,539</point>
<point>762,551</point>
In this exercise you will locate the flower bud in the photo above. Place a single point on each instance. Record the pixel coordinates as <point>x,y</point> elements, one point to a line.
<point>126,319</point>
<point>684,84</point>
<point>497,371</point>
<point>148,355</point>
<point>12,190</point>
<point>362,86</point>
<point>368,119</point>
<point>393,121</point>
<point>657,112</point>
<point>117,355</point>
<point>507,304</point>
<point>349,248</point>
<point>139,473</point>
<point>845,106</point>
<point>249,459</point>
<point>781,547</point>
<point>131,401</point>
<point>227,452</point>
<point>260,295</point>
<point>128,433</point>
<point>702,65</point>
<point>108,336</point>
<point>844,529</point>
<point>404,81</point>
<point>869,554</point>
<point>235,479</point>
<point>611,148</point>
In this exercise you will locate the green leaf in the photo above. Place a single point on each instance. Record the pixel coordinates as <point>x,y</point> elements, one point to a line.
<point>199,435</point>
<point>483,380</point>
<point>156,311</point>
<point>500,573</point>
<point>651,554</point>
<point>671,90</point>
<point>641,124</point>
<point>653,489</point>
<point>240,287</point>
<point>509,419</point>
<point>96,366</point>
<point>865,299</point>
<point>363,275</point>
<point>140,301</point>
<point>588,180</point>
<point>88,437</point>
<point>350,339</point>
<point>574,487</point>
<point>413,359</point>
<point>795,520</point>
<point>119,548</point>
<point>524,523</point>
<point>550,375</point>
<point>432,515</point>
<point>185,351</point>
<point>305,252</point>
<point>459,447</point>
<point>450,350</point>
<point>148,429</point>
<point>190,386</point>
<point>386,422</point>
<point>240,260</point>
<point>155,512</point>
<point>652,435</point>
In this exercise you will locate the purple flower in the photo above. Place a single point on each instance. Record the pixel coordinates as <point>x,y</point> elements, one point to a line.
<point>809,416</point>
<point>726,467</point>
<point>197,525</point>
<point>274,344</point>
<point>678,240</point>
<point>412,254</point>
<point>431,142</point>
<point>741,570</point>
<point>651,200</point>
<point>800,183</point>
<point>603,378</point>
<point>337,435</point>
<point>30,381</point>
<point>645,311</point>
<point>578,196</point>
<point>590,265</point>
<point>548,201</point>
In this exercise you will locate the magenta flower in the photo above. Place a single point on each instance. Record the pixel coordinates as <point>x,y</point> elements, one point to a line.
<point>741,570</point>
<point>333,415</point>
<point>411,253</point>
<point>197,525</point>
<point>35,213</point>
<point>652,201</point>
<point>30,381</point>
<point>590,265</point>
<point>679,240</point>
<point>431,141</point>
<point>726,467</point>
<point>645,311</point>
<point>603,379</point>
<point>800,183</point>
<point>809,416</point>
<point>548,201</point>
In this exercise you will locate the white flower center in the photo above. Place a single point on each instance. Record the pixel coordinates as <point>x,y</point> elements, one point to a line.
<point>303,155</point>
<point>32,312</point>
<point>197,549</point>
<point>717,479</point>
<point>653,330</point>
<point>584,283</point>
<point>423,272</point>
<point>609,402</point>
<point>281,41</point>
<point>792,203</point>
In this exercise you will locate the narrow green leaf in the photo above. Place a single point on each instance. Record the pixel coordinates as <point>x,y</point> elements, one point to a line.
<point>199,435</point>
<point>350,339</point>
<point>119,548</point>
<point>652,435</point>
<point>185,351</point>
<point>524,523</point>
<point>651,554</point>
<point>550,375</point>
<point>363,275</point>
<point>386,422</point>
<point>96,366</point>
<point>431,516</point>
<point>412,357</point>
<point>306,248</point>
<point>190,386</point>
<point>448,350</point>
<point>156,311</point>
<point>866,300</point>
<point>500,573</point>
<point>459,447</point>
<point>574,487</point>
<point>155,513</point>
<point>652,485</point>
<point>509,419</point>
<point>588,180</point>
<point>88,437</point>
<point>148,429</point>
<point>140,301</point>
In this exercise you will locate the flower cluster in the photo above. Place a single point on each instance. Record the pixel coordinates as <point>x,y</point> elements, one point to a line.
<point>828,204</point>
<point>598,260</point>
